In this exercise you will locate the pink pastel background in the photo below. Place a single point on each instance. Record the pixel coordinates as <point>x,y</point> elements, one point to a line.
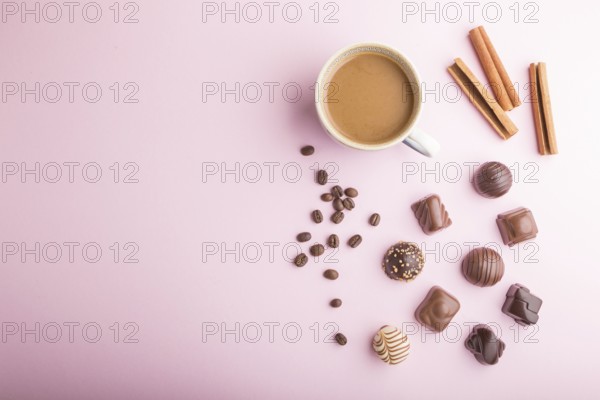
<point>178,289</point>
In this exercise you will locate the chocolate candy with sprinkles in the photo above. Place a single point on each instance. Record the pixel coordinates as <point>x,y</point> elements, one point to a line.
<point>403,261</point>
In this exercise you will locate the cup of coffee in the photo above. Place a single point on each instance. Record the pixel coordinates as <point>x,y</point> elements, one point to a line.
<point>369,97</point>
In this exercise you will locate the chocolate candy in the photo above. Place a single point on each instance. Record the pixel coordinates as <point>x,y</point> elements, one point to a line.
<point>391,345</point>
<point>431,214</point>
<point>516,226</point>
<point>483,267</point>
<point>403,261</point>
<point>521,305</point>
<point>437,310</point>
<point>484,345</point>
<point>492,180</point>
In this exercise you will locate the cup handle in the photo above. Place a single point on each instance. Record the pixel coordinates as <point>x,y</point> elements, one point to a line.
<point>422,142</point>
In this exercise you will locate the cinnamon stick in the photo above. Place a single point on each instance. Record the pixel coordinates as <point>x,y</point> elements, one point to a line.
<point>542,109</point>
<point>489,108</point>
<point>494,70</point>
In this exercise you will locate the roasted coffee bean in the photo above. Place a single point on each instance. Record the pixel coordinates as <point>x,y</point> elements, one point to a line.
<point>335,303</point>
<point>326,197</point>
<point>341,339</point>
<point>374,220</point>
<point>303,237</point>
<point>301,260</point>
<point>331,274</point>
<point>337,191</point>
<point>317,216</point>
<point>307,151</point>
<point>322,177</point>
<point>348,203</point>
<point>351,192</point>
<point>337,217</point>
<point>338,204</point>
<point>354,241</point>
<point>317,250</point>
<point>333,241</point>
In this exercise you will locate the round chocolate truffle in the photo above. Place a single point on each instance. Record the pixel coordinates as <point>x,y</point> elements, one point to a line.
<point>492,180</point>
<point>403,261</point>
<point>483,267</point>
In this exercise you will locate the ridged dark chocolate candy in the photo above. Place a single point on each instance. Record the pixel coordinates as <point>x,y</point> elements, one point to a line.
<point>483,267</point>
<point>483,343</point>
<point>492,180</point>
<point>403,261</point>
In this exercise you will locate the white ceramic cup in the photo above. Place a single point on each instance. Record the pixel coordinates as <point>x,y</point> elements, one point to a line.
<point>409,135</point>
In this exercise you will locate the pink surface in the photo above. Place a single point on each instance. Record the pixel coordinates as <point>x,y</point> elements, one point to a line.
<point>176,215</point>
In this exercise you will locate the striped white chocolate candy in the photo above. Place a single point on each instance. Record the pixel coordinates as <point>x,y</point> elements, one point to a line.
<point>391,345</point>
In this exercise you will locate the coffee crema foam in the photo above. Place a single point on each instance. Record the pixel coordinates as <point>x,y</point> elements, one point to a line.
<point>369,98</point>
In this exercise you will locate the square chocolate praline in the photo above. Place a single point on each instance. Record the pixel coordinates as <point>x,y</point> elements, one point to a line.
<point>517,226</point>
<point>437,309</point>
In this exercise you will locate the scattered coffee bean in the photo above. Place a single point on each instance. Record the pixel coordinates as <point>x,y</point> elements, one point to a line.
<point>317,216</point>
<point>351,192</point>
<point>348,203</point>
<point>322,177</point>
<point>326,197</point>
<point>307,150</point>
<point>341,339</point>
<point>333,241</point>
<point>354,241</point>
<point>303,237</point>
<point>337,217</point>
<point>374,220</point>
<point>301,260</point>
<point>317,250</point>
<point>331,274</point>
<point>337,191</point>
<point>338,204</point>
<point>335,303</point>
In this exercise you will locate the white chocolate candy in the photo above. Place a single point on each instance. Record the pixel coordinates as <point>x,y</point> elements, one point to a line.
<point>391,345</point>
